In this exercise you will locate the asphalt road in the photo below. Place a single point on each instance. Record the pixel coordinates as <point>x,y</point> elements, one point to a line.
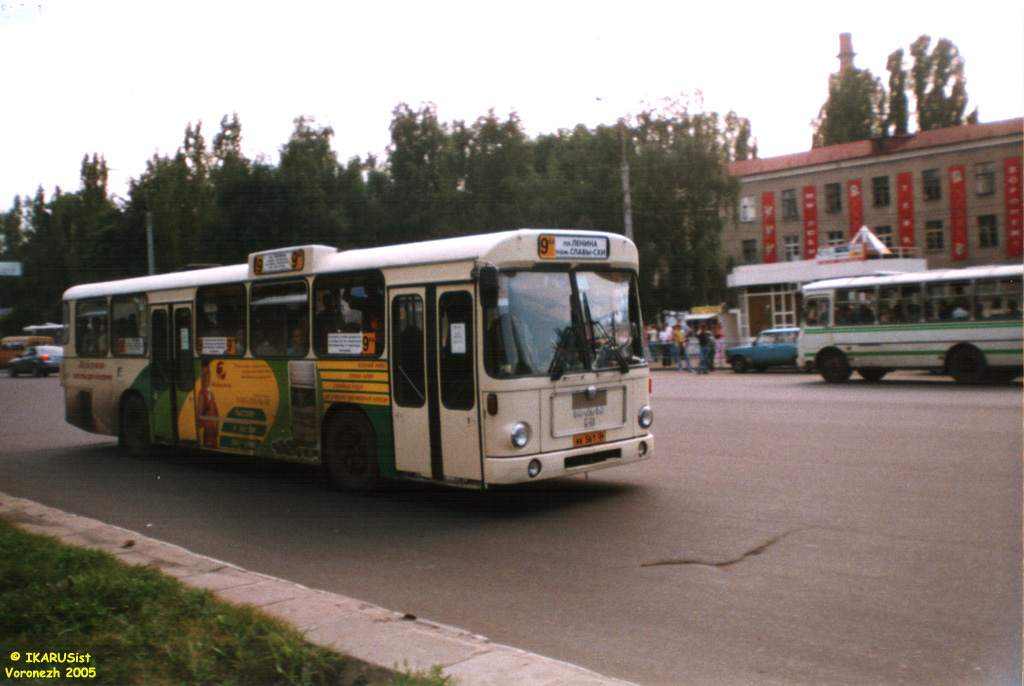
<point>787,532</point>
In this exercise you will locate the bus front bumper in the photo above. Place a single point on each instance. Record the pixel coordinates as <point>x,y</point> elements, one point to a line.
<point>514,470</point>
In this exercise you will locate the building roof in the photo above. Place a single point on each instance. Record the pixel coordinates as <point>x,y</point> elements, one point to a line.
<point>879,147</point>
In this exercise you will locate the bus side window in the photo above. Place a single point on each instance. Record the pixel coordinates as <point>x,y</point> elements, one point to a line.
<point>128,324</point>
<point>816,312</point>
<point>456,315</point>
<point>91,328</point>
<point>220,321</point>
<point>348,314</point>
<point>279,319</point>
<point>408,351</point>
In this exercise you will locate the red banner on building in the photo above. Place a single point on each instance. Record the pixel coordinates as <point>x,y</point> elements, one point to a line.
<point>1011,172</point>
<point>810,222</point>
<point>958,210</point>
<point>768,224</point>
<point>905,212</point>
<point>855,201</point>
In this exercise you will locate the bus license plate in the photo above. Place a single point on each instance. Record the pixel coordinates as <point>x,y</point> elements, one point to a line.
<point>592,438</point>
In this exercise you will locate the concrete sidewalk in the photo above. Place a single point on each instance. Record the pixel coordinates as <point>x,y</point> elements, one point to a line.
<point>369,633</point>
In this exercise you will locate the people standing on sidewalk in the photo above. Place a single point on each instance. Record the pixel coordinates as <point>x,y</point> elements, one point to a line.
<point>680,334</point>
<point>718,331</point>
<point>704,344</point>
<point>665,338</point>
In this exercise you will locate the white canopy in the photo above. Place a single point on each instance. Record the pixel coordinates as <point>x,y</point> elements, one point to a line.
<point>870,241</point>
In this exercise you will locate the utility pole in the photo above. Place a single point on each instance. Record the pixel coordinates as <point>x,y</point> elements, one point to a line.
<point>627,196</point>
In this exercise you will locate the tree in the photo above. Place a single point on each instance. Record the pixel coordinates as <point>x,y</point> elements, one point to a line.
<point>939,85</point>
<point>309,175</point>
<point>896,122</point>
<point>854,110</point>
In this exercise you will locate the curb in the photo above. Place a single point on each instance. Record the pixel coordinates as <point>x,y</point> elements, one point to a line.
<point>369,633</point>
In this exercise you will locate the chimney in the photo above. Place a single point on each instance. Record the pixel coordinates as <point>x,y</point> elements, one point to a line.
<point>846,53</point>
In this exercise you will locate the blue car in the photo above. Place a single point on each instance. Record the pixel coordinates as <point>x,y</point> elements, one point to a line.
<point>773,348</point>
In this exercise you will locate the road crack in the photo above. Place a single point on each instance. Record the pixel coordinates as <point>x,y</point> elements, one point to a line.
<point>718,564</point>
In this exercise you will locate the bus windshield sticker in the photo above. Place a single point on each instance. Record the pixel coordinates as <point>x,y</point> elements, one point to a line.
<point>572,247</point>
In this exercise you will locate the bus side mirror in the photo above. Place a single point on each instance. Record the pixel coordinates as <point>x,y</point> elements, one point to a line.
<point>489,286</point>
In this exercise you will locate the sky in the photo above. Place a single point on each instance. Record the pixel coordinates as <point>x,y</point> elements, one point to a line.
<point>123,78</point>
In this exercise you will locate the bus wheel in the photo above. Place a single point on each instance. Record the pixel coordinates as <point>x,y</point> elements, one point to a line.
<point>350,451</point>
<point>134,430</point>
<point>872,374</point>
<point>740,364</point>
<point>833,366</point>
<point>967,365</point>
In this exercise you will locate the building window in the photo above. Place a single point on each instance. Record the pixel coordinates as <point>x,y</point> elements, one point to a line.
<point>833,197</point>
<point>792,245</point>
<point>880,190</point>
<point>790,206</point>
<point>750,251</point>
<point>835,238</point>
<point>934,236</point>
<point>985,178</point>
<point>748,211</point>
<point>884,234</point>
<point>988,231</point>
<point>932,184</point>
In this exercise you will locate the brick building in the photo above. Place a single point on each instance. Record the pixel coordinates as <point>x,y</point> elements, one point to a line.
<point>939,199</point>
<point>951,196</point>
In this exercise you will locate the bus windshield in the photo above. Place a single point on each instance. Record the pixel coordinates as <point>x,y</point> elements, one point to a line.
<point>553,322</point>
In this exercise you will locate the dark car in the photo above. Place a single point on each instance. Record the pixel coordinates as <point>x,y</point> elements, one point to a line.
<point>39,360</point>
<point>772,348</point>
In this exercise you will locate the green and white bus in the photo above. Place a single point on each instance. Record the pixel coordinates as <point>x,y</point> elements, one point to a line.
<point>476,361</point>
<point>961,322</point>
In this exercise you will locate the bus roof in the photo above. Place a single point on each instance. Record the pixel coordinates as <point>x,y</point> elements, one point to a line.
<point>497,248</point>
<point>988,272</point>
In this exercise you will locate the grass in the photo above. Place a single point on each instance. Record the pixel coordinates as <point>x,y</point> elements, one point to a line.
<point>139,626</point>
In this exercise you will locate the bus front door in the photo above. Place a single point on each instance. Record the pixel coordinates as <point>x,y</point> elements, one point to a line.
<point>172,373</point>
<point>433,381</point>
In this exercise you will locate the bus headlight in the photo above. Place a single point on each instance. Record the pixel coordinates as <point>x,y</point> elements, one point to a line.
<point>520,435</point>
<point>645,417</point>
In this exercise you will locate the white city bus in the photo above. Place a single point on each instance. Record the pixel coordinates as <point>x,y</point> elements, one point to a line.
<point>962,322</point>
<point>492,359</point>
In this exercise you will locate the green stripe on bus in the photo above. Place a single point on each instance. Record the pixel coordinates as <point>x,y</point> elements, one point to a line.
<point>890,328</point>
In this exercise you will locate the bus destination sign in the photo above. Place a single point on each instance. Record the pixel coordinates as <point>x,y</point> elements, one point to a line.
<point>278,262</point>
<point>572,247</point>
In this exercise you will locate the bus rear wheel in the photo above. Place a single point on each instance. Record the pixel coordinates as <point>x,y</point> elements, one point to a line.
<point>134,430</point>
<point>967,365</point>
<point>350,451</point>
<point>833,366</point>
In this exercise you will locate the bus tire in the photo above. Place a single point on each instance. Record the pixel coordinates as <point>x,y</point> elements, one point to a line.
<point>872,374</point>
<point>350,451</point>
<point>133,433</point>
<point>967,365</point>
<point>833,366</point>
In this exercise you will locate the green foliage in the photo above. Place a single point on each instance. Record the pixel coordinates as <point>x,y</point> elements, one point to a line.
<point>210,204</point>
<point>141,627</point>
<point>854,111</point>
<point>858,107</point>
<point>940,87</point>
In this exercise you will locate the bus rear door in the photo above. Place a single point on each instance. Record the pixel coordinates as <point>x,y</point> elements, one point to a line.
<point>433,376</point>
<point>172,373</point>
